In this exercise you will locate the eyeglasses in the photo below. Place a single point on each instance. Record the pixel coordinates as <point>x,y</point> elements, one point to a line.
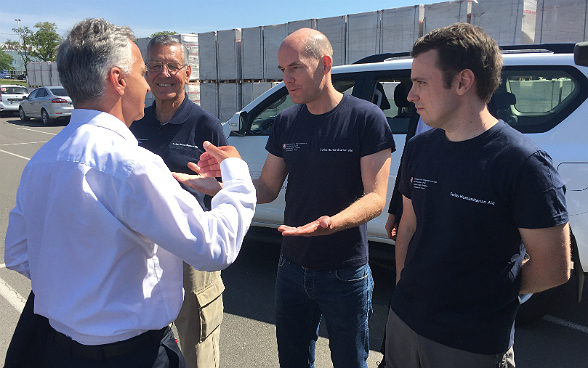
<point>157,67</point>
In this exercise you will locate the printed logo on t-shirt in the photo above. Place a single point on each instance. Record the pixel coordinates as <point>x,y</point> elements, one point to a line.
<point>336,150</point>
<point>420,183</point>
<point>184,145</point>
<point>476,200</point>
<point>292,147</point>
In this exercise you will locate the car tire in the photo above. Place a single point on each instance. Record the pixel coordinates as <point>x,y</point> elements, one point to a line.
<point>22,115</point>
<point>538,305</point>
<point>45,117</point>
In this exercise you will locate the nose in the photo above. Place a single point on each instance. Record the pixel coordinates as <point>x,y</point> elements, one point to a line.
<point>165,70</point>
<point>286,76</point>
<point>412,96</point>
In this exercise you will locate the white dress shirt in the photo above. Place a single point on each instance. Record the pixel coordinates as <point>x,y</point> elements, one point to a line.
<point>101,227</point>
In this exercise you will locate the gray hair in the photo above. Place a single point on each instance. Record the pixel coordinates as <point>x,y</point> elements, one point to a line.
<point>166,40</point>
<point>84,59</point>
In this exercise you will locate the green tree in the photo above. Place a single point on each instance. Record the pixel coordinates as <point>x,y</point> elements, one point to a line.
<point>5,61</point>
<point>44,41</point>
<point>23,43</point>
<point>14,45</point>
<point>169,33</point>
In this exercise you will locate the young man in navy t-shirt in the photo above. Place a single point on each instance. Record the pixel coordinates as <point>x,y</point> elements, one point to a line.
<point>477,196</point>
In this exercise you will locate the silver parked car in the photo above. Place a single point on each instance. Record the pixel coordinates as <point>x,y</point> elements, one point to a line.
<point>11,96</point>
<point>48,103</point>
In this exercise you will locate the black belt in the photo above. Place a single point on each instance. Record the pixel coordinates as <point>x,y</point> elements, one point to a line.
<point>97,352</point>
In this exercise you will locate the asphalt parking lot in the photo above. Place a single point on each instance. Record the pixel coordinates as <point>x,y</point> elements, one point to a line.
<point>247,335</point>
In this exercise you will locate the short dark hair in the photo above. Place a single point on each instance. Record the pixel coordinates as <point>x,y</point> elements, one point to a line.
<point>463,46</point>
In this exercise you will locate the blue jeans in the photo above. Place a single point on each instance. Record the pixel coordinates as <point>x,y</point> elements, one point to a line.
<point>343,297</point>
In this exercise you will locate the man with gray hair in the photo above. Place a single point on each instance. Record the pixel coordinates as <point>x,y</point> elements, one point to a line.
<point>175,128</point>
<point>100,224</point>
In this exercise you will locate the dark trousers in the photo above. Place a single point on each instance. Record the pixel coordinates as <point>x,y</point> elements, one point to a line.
<point>30,330</point>
<point>35,344</point>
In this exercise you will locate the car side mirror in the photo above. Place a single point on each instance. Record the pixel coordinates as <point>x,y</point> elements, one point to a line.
<point>581,53</point>
<point>242,121</point>
<point>238,123</point>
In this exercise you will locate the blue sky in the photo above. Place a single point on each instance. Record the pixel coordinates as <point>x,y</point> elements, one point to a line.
<point>150,16</point>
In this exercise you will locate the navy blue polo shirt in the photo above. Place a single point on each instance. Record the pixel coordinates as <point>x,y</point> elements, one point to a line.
<point>179,141</point>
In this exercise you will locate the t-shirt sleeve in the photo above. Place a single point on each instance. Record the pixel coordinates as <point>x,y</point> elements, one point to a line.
<point>539,199</point>
<point>377,134</point>
<point>274,141</point>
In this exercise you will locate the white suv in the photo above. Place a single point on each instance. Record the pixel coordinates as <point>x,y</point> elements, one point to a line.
<point>543,94</point>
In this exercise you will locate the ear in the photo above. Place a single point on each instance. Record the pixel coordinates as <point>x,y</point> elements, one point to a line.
<point>117,80</point>
<point>465,81</point>
<point>327,62</point>
<point>188,73</point>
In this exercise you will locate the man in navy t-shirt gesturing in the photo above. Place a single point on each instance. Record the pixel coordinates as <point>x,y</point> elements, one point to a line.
<point>477,197</point>
<point>335,150</point>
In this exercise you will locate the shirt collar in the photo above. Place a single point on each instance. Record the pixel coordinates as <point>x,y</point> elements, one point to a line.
<point>181,114</point>
<point>103,120</point>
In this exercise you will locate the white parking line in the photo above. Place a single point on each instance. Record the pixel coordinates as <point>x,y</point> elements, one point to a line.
<point>21,143</point>
<point>14,154</point>
<point>563,322</point>
<point>12,296</point>
<point>37,131</point>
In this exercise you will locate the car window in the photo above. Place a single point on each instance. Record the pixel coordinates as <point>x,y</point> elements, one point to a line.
<point>536,99</point>
<point>59,92</point>
<point>279,101</point>
<point>13,90</point>
<point>262,123</point>
<point>42,92</point>
<point>34,94</point>
<point>390,94</point>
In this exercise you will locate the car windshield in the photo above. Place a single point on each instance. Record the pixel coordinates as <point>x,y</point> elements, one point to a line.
<point>59,92</point>
<point>13,90</point>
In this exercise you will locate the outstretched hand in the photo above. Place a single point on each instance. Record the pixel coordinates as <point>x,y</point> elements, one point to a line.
<point>209,164</point>
<point>203,184</point>
<point>322,226</point>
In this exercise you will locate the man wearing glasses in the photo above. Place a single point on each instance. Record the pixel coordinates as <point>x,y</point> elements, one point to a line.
<point>175,128</point>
